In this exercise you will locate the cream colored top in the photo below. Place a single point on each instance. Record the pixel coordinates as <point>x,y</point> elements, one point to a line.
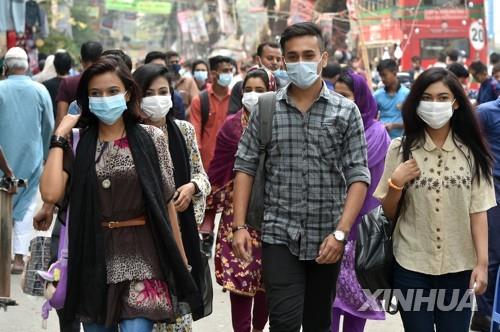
<point>433,233</point>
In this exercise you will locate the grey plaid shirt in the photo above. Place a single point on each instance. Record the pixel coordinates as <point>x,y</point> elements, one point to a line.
<point>312,159</point>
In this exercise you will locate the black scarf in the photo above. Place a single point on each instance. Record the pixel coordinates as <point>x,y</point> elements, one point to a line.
<point>187,220</point>
<point>87,289</point>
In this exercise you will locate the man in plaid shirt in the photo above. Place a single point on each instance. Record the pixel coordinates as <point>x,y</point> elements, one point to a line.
<point>316,181</point>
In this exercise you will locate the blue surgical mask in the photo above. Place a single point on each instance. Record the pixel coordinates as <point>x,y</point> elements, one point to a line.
<point>303,74</point>
<point>200,75</point>
<point>282,77</point>
<point>176,68</point>
<point>225,79</point>
<point>108,109</point>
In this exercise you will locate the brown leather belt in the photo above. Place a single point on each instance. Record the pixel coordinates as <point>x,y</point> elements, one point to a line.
<point>126,223</point>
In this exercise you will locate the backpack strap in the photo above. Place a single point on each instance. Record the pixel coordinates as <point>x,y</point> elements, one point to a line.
<point>205,109</point>
<point>267,104</point>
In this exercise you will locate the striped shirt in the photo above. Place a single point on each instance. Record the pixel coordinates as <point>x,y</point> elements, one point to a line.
<point>312,159</point>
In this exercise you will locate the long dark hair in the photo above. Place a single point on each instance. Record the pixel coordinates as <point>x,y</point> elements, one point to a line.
<point>256,73</point>
<point>464,124</point>
<point>145,75</point>
<point>102,66</point>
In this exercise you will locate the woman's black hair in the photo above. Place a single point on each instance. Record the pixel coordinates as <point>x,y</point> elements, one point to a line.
<point>464,124</point>
<point>256,73</point>
<point>145,75</point>
<point>199,62</point>
<point>102,66</point>
<point>346,79</point>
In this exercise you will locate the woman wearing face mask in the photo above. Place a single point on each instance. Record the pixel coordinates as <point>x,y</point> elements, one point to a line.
<point>191,180</point>
<point>200,74</point>
<point>350,297</point>
<point>126,264</point>
<point>243,280</point>
<point>441,235</point>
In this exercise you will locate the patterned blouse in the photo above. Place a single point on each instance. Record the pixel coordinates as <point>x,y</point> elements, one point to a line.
<point>198,174</point>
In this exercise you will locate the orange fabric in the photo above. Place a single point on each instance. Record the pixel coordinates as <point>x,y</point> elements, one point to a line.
<point>216,118</point>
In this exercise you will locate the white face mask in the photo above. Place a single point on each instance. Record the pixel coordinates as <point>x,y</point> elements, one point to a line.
<point>250,100</point>
<point>156,107</point>
<point>435,113</point>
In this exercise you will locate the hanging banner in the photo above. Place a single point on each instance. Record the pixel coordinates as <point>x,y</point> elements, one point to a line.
<point>197,27</point>
<point>300,11</point>
<point>121,5</point>
<point>193,24</point>
<point>156,7</point>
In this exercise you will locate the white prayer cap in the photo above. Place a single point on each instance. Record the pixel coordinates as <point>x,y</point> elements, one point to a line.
<point>16,53</point>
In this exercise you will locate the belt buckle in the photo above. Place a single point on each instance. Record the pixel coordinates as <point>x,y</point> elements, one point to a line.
<point>113,224</point>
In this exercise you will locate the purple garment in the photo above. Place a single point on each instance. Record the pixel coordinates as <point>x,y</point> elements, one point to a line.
<point>350,296</point>
<point>220,171</point>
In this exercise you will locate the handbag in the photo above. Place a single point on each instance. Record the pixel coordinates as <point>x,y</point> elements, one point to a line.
<point>39,260</point>
<point>58,272</point>
<point>255,213</point>
<point>206,290</point>
<point>374,262</point>
<point>374,254</point>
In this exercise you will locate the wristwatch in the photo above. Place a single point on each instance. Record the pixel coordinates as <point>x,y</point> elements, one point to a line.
<point>340,236</point>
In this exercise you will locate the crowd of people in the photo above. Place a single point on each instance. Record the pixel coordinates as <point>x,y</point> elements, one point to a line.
<point>136,163</point>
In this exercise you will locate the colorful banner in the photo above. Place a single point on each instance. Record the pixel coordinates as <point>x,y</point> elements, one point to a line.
<point>193,23</point>
<point>156,7</point>
<point>300,11</point>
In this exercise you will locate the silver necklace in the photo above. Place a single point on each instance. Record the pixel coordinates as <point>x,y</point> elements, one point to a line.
<point>106,183</point>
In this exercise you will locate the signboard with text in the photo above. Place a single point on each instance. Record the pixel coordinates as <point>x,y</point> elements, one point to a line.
<point>156,7</point>
<point>477,35</point>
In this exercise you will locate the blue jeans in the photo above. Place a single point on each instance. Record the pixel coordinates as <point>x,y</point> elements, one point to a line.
<point>127,325</point>
<point>423,317</point>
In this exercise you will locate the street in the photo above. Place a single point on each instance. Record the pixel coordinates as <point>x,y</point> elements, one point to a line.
<point>26,316</point>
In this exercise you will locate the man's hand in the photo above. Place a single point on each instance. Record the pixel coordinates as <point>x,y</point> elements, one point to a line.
<point>389,126</point>
<point>330,251</point>
<point>242,245</point>
<point>43,218</point>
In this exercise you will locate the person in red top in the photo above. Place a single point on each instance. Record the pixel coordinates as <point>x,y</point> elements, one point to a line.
<point>221,71</point>
<point>90,52</point>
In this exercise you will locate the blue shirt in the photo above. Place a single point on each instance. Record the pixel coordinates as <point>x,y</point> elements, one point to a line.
<point>26,124</point>
<point>489,116</point>
<point>489,91</point>
<point>389,106</point>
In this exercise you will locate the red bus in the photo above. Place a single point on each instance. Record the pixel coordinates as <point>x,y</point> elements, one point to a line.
<point>423,28</point>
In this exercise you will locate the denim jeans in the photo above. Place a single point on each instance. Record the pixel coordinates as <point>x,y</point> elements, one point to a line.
<point>127,325</point>
<point>430,315</point>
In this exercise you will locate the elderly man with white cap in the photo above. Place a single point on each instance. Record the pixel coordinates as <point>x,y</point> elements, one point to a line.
<point>26,124</point>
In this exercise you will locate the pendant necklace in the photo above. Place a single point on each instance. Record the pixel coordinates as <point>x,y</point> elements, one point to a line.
<point>106,183</point>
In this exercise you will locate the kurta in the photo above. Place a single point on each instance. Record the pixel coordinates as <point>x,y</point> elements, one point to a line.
<point>136,286</point>
<point>233,274</point>
<point>26,124</point>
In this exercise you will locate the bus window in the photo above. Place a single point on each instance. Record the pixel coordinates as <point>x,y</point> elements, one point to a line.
<point>431,48</point>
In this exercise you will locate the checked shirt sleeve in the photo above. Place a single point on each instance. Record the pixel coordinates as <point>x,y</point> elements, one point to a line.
<point>354,154</point>
<point>247,156</point>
